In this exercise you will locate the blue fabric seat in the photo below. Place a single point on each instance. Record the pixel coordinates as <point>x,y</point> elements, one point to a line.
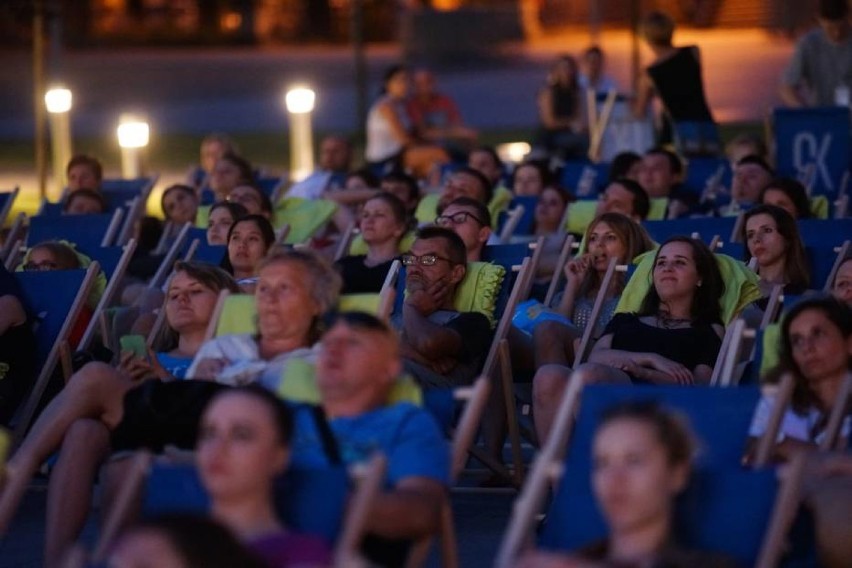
<point>525,225</point>
<point>85,231</point>
<point>724,509</point>
<point>120,192</point>
<point>706,227</point>
<point>311,501</point>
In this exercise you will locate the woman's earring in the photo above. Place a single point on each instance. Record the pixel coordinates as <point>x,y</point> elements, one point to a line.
<point>699,283</point>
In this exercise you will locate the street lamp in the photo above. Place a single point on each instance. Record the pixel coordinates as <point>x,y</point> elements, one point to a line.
<point>58,103</point>
<point>299,101</point>
<point>133,134</point>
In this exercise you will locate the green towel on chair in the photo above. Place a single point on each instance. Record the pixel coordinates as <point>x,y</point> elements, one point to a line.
<point>741,287</point>
<point>305,217</point>
<point>299,384</point>
<point>580,215</point>
<point>202,216</point>
<point>427,209</point>
<point>819,207</point>
<point>659,208</point>
<point>358,245</point>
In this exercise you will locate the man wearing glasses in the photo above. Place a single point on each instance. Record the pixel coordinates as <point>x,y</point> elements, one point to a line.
<point>441,347</point>
<point>471,221</point>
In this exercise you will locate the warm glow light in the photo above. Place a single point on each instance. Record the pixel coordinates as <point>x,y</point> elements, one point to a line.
<point>132,132</point>
<point>513,152</point>
<point>57,100</point>
<point>300,100</point>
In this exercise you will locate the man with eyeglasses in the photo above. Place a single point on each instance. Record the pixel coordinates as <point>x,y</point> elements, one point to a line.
<point>471,221</point>
<point>440,346</point>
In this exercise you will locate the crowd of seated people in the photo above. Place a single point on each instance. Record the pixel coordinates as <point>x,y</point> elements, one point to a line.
<point>430,196</point>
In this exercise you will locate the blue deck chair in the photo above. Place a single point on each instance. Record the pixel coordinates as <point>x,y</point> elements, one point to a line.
<point>706,227</point>
<point>87,232</point>
<point>700,170</point>
<point>574,170</point>
<point>813,137</point>
<point>525,225</point>
<point>825,232</point>
<point>55,299</point>
<point>213,254</point>
<point>720,417</point>
<point>7,199</point>
<point>120,192</point>
<point>268,185</point>
<point>307,500</point>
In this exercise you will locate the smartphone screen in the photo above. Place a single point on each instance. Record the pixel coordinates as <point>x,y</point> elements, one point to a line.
<point>135,344</point>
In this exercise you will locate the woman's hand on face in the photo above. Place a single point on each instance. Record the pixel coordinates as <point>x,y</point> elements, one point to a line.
<point>576,269</point>
<point>678,373</point>
<point>208,369</point>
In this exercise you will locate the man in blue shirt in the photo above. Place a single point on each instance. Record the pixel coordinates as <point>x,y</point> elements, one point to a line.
<point>358,364</point>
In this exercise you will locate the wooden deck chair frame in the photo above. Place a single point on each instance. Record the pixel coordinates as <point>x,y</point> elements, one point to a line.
<point>109,293</point>
<point>216,315</point>
<point>387,295</point>
<point>345,241</point>
<point>281,234</point>
<point>546,470</point>
<point>513,217</point>
<point>843,252</point>
<point>783,396</point>
<point>113,228</point>
<point>738,227</point>
<point>7,208</point>
<point>127,496</point>
<point>370,476</point>
<point>783,514</point>
<point>598,124</point>
<point>564,255</point>
<point>13,239</point>
<point>475,398</point>
<point>31,403</point>
<point>585,343</point>
<point>493,369</point>
<point>165,268</point>
<point>134,213</point>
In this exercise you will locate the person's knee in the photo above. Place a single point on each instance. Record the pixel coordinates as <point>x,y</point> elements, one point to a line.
<point>548,383</point>
<point>590,373</point>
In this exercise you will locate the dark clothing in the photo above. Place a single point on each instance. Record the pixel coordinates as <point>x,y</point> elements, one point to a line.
<point>17,354</point>
<point>690,346</point>
<point>680,87</point>
<point>475,332</point>
<point>358,278</point>
<point>565,101</point>
<point>158,414</point>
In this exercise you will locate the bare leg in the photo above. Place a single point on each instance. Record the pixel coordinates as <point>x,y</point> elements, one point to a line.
<point>69,494</point>
<point>548,387</point>
<point>553,344</point>
<point>96,391</point>
<point>113,477</point>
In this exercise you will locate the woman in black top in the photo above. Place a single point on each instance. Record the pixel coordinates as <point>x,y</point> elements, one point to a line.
<point>675,76</point>
<point>675,336</point>
<point>383,224</point>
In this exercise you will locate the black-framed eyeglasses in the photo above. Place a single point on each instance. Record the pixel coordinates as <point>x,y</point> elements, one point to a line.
<point>456,219</point>
<point>423,259</point>
<point>40,266</point>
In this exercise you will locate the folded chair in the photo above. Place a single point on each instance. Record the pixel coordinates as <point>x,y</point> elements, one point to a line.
<point>724,509</point>
<point>55,298</point>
